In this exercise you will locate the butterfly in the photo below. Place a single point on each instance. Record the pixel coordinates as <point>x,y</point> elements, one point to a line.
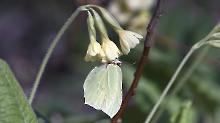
<point>103,88</point>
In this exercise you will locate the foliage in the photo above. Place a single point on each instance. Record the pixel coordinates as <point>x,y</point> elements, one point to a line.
<point>60,94</point>
<point>13,103</point>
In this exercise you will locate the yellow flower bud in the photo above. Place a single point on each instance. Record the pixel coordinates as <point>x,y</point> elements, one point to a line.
<point>110,49</point>
<point>128,40</point>
<point>94,51</point>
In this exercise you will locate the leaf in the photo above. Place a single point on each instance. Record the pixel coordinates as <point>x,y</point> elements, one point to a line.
<point>102,89</point>
<point>14,106</point>
<point>182,115</point>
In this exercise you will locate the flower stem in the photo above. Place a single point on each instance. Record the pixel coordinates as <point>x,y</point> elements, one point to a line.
<point>51,48</point>
<point>169,85</point>
<point>179,85</point>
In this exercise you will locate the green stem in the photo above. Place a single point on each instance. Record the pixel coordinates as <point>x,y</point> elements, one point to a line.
<point>51,48</point>
<point>179,85</point>
<point>169,85</point>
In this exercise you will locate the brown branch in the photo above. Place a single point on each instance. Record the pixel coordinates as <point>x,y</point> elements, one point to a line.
<point>147,46</point>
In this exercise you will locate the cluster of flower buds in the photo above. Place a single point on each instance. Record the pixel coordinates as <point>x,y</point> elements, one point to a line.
<point>108,51</point>
<point>214,36</point>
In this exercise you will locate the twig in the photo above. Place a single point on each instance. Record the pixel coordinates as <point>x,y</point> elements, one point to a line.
<point>147,46</point>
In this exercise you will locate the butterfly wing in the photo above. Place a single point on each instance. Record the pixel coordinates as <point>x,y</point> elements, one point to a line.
<point>102,89</point>
<point>115,89</point>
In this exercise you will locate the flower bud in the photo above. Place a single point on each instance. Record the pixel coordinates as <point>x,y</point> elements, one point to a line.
<point>128,40</point>
<point>215,43</point>
<point>110,49</point>
<point>99,24</point>
<point>109,18</point>
<point>94,51</point>
<point>91,28</point>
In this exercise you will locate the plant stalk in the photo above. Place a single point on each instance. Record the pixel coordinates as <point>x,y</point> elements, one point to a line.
<point>169,85</point>
<point>51,48</point>
<point>180,84</point>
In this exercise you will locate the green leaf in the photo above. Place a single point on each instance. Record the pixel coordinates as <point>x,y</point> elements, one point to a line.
<point>14,106</point>
<point>182,115</point>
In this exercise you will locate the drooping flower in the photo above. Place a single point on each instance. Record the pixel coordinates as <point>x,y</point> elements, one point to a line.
<point>110,49</point>
<point>128,40</point>
<point>94,51</point>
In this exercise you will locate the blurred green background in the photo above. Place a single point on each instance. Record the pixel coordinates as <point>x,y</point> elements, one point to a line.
<point>28,27</point>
